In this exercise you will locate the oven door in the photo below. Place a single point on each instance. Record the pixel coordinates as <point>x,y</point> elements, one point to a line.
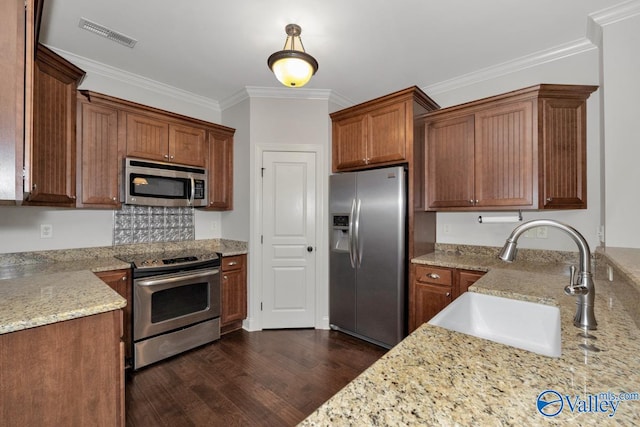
<point>172,301</point>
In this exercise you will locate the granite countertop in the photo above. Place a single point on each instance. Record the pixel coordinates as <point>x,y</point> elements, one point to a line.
<point>440,377</point>
<point>39,288</point>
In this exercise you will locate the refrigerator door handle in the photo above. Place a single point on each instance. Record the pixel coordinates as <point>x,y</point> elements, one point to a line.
<point>356,227</point>
<point>352,254</point>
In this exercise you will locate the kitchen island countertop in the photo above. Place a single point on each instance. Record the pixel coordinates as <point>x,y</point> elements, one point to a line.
<point>439,377</point>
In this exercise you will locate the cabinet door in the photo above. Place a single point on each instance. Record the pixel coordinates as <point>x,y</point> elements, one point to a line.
<point>187,145</point>
<point>349,143</point>
<point>386,134</point>
<point>120,281</point>
<point>220,171</point>
<point>564,154</point>
<point>466,279</point>
<point>429,300</point>
<point>504,160</point>
<point>100,156</point>
<point>147,138</point>
<point>450,162</point>
<point>234,290</point>
<point>52,157</point>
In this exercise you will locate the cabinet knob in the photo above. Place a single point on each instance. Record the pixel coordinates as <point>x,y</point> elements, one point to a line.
<point>166,156</point>
<point>434,276</point>
<point>124,278</point>
<point>224,277</point>
<point>448,294</point>
<point>171,157</point>
<point>471,201</point>
<point>114,199</point>
<point>34,186</point>
<point>549,199</point>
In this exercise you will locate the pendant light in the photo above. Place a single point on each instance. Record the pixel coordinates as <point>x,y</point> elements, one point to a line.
<point>292,66</point>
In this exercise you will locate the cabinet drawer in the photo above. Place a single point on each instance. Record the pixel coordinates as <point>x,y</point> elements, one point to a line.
<point>230,263</point>
<point>434,275</point>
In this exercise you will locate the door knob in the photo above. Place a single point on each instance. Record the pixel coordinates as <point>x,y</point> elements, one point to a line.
<point>309,248</point>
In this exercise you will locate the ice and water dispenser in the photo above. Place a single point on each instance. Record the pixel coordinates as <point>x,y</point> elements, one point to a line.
<point>340,233</point>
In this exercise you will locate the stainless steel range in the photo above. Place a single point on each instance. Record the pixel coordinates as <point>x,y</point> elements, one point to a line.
<point>176,304</point>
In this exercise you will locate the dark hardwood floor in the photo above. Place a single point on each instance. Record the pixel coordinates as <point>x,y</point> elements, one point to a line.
<point>266,378</point>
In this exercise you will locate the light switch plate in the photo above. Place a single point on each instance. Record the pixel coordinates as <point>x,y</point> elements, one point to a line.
<point>46,231</point>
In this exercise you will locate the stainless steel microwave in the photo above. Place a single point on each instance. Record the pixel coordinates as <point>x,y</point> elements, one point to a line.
<point>151,183</point>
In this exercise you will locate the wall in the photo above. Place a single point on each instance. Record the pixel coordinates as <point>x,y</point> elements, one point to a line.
<point>76,228</point>
<point>579,68</point>
<point>621,69</point>
<point>279,118</point>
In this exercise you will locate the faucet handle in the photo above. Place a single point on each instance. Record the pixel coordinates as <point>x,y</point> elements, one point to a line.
<point>573,288</point>
<point>572,275</point>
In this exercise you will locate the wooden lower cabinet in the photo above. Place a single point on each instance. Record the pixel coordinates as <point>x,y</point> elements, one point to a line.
<point>234,293</point>
<point>69,373</point>
<point>120,281</point>
<point>433,288</point>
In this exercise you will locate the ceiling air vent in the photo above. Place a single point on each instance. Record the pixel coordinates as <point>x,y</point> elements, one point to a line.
<point>108,33</point>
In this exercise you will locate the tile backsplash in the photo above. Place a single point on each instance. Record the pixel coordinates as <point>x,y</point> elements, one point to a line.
<point>152,224</point>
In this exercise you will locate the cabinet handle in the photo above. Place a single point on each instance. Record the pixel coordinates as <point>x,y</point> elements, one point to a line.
<point>35,186</point>
<point>448,294</point>
<point>549,199</point>
<point>124,278</point>
<point>171,157</point>
<point>233,263</point>
<point>434,276</point>
<point>475,202</point>
<point>166,156</point>
<point>114,199</point>
<point>471,201</point>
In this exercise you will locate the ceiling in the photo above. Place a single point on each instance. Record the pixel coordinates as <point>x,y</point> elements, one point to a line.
<point>365,48</point>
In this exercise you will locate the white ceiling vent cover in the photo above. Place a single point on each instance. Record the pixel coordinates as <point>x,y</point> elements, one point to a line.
<point>108,33</point>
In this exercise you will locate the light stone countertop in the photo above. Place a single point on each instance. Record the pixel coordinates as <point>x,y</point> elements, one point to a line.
<point>440,377</point>
<point>39,288</point>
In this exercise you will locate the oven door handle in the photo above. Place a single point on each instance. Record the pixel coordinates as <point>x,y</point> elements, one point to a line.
<point>161,280</point>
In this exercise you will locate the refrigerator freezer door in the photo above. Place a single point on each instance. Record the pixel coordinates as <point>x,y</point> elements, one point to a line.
<point>380,282</point>
<point>342,276</point>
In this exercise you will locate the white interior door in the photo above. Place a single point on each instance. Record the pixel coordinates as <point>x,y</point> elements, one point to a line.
<point>289,239</point>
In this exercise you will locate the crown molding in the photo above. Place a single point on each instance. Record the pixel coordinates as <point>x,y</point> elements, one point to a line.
<point>616,13</point>
<point>136,80</point>
<point>541,57</point>
<point>250,92</point>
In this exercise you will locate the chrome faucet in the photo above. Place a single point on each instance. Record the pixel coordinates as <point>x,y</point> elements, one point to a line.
<point>583,288</point>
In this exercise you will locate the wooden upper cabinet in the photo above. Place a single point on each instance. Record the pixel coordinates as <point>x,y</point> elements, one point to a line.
<point>520,150</point>
<point>50,162</point>
<point>450,162</point>
<point>378,132</point>
<point>100,153</point>
<point>386,134</point>
<point>220,167</point>
<point>147,137</point>
<point>504,156</point>
<point>187,145</point>
<point>563,153</point>
<point>350,143</point>
<point>157,139</point>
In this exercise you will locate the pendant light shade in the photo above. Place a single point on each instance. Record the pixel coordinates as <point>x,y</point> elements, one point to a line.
<point>292,66</point>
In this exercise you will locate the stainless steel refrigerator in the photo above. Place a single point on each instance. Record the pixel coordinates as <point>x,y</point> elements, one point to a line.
<point>367,259</point>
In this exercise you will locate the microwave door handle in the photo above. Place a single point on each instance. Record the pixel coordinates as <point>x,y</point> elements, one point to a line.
<point>192,199</point>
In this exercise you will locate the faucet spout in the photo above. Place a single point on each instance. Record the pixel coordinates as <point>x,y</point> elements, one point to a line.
<point>584,289</point>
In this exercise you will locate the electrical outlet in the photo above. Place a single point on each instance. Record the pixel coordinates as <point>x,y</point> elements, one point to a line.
<point>541,232</point>
<point>46,231</point>
<point>446,228</point>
